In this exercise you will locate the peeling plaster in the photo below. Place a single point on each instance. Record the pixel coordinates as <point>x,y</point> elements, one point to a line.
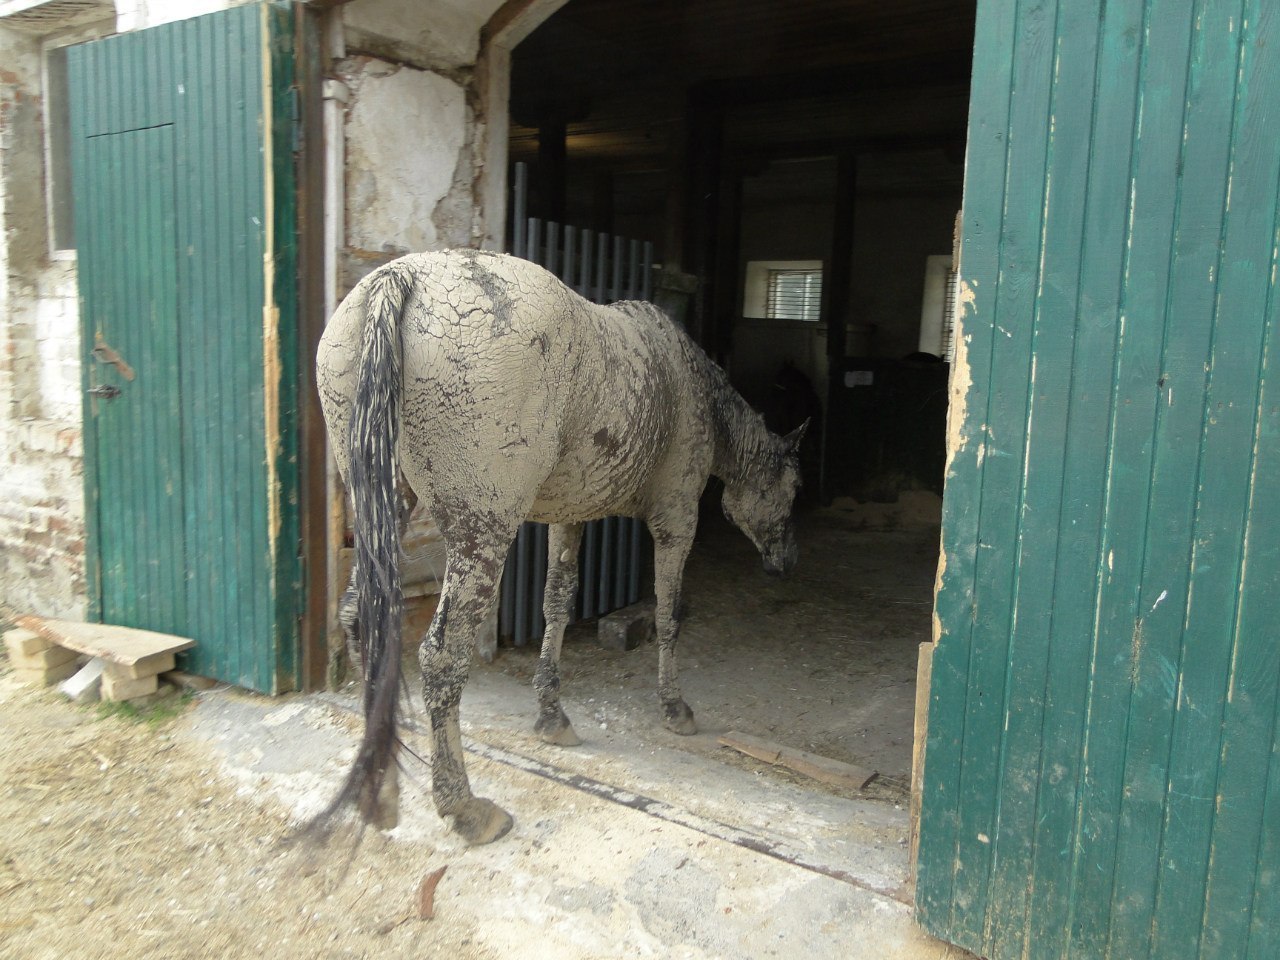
<point>406,134</point>
<point>957,416</point>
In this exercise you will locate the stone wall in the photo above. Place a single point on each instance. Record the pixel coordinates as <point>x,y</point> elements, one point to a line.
<point>41,482</point>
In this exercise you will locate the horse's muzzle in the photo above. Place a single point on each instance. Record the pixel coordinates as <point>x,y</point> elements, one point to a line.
<point>782,562</point>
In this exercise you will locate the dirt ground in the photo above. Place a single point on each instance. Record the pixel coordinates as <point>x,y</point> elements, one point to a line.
<point>121,838</point>
<point>823,661</point>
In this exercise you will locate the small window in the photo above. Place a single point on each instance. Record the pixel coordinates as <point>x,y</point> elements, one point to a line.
<point>938,310</point>
<point>783,290</point>
<point>794,295</point>
<point>56,96</point>
<point>57,127</point>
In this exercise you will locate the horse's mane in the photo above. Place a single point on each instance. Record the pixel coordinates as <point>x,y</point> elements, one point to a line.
<point>743,441</point>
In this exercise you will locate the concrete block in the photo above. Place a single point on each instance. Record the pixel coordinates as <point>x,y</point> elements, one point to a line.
<point>127,689</point>
<point>24,643</point>
<point>627,628</point>
<point>146,667</point>
<point>48,676</point>
<point>86,685</point>
<point>42,660</point>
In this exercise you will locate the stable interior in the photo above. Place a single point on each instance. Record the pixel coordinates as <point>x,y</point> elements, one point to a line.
<point>757,144</point>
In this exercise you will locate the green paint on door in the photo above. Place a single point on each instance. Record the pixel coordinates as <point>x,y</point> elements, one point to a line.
<point>183,177</point>
<point>1102,774</point>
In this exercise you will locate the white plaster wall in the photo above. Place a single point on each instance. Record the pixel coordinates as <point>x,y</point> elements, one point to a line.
<point>405,131</point>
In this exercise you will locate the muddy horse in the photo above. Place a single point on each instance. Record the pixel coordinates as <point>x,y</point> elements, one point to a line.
<point>483,386</point>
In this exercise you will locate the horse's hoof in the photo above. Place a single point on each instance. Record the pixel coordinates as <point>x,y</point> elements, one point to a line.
<point>481,821</point>
<point>678,718</point>
<point>558,736</point>
<point>557,730</point>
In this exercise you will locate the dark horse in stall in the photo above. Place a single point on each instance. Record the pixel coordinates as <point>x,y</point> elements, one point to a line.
<point>483,386</point>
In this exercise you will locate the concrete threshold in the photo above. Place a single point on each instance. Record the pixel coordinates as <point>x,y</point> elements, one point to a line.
<point>619,849</point>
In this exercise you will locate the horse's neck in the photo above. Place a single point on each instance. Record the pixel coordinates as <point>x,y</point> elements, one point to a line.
<point>740,436</point>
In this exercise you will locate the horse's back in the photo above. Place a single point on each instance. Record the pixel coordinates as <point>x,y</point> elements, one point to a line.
<point>513,382</point>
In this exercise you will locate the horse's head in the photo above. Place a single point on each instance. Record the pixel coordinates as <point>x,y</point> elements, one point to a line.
<point>760,504</point>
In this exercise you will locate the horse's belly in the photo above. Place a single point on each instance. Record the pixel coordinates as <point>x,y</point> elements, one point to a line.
<point>584,488</point>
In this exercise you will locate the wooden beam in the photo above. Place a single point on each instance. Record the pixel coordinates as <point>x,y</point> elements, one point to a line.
<point>924,679</point>
<point>837,773</point>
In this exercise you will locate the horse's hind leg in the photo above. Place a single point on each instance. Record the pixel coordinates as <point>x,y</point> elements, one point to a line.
<point>470,590</point>
<point>563,541</point>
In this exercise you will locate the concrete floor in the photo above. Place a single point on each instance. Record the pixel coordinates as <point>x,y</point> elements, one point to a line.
<point>615,852</point>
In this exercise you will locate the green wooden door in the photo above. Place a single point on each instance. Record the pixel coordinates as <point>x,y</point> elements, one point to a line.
<point>136,423</point>
<point>183,179</point>
<point>1102,776</point>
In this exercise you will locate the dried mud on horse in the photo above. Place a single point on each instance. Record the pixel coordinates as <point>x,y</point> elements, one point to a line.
<point>481,385</point>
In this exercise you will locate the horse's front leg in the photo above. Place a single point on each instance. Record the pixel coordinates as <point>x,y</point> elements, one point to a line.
<point>563,541</point>
<point>670,551</point>
<point>470,590</point>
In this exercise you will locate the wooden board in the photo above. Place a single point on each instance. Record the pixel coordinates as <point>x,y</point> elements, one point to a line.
<point>835,772</point>
<point>117,644</point>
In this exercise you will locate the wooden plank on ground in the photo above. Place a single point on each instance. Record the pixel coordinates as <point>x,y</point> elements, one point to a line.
<point>835,772</point>
<point>124,645</point>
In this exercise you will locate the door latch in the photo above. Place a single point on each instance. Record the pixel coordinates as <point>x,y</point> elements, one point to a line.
<point>104,391</point>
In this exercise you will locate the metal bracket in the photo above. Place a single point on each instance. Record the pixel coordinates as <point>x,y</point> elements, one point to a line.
<point>103,353</point>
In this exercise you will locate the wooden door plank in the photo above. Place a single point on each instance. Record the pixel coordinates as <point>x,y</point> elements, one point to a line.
<point>1163,47</point>
<point>1037,599</point>
<point>942,891</point>
<point>1241,398</point>
<point>1160,667</point>
<point>1103,194</point>
<point>1005,464</point>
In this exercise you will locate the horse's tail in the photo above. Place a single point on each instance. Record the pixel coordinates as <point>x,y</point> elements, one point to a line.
<point>374,473</point>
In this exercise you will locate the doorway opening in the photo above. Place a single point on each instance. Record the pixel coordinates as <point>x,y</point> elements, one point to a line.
<point>798,168</point>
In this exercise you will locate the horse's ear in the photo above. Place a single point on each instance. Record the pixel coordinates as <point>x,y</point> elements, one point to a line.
<point>792,440</point>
